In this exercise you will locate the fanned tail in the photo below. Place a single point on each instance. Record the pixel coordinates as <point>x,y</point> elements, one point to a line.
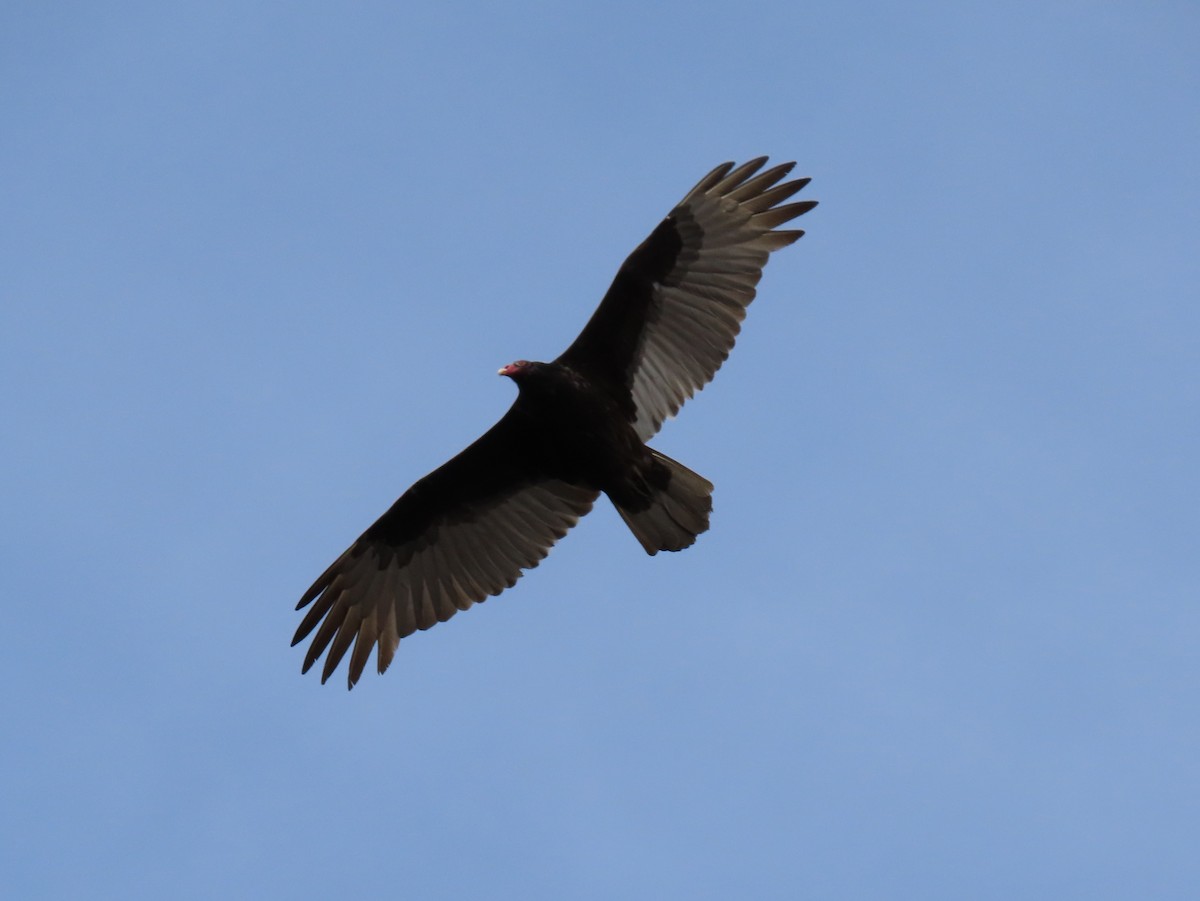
<point>677,510</point>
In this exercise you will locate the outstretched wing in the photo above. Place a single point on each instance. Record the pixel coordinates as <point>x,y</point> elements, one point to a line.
<point>459,535</point>
<point>676,306</point>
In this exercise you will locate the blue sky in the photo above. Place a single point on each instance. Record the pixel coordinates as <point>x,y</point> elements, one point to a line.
<point>260,265</point>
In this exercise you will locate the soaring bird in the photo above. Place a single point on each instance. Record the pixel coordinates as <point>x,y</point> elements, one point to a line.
<point>578,427</point>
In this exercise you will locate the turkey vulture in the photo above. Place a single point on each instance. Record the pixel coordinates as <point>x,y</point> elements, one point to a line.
<point>577,428</point>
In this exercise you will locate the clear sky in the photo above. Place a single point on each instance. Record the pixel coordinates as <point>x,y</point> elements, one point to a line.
<point>259,263</point>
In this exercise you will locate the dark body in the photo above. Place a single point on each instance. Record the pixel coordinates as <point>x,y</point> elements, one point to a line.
<point>560,426</point>
<point>577,428</point>
<point>583,430</point>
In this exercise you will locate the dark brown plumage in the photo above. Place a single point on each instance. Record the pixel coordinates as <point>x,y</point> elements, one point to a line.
<point>577,428</point>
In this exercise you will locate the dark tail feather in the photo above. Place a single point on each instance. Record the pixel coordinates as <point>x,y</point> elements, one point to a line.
<point>677,511</point>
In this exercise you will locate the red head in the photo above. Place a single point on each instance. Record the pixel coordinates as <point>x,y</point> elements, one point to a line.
<point>516,370</point>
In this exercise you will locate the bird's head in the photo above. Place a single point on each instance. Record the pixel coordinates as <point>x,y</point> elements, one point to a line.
<point>516,371</point>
